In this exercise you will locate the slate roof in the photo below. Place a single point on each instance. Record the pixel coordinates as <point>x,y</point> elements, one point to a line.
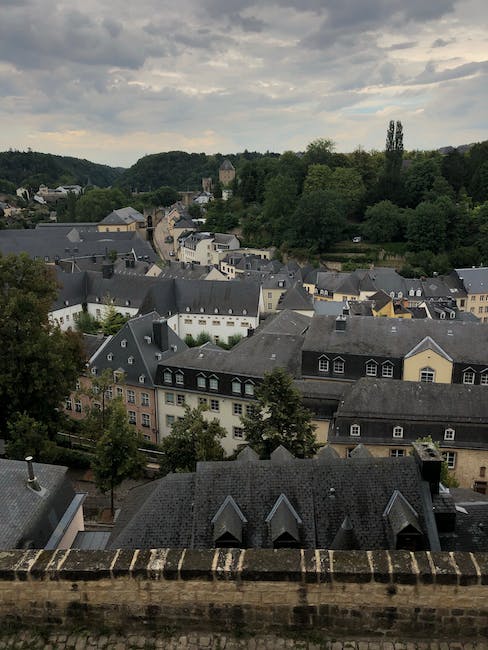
<point>329,307</point>
<point>28,518</point>
<point>394,398</point>
<point>178,509</point>
<point>474,280</point>
<point>465,342</point>
<point>146,354</point>
<point>123,216</point>
<point>71,242</point>
<point>276,344</point>
<point>471,531</point>
<point>227,165</point>
<point>296,299</point>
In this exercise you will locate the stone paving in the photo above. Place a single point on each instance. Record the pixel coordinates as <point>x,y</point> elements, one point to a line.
<point>201,641</point>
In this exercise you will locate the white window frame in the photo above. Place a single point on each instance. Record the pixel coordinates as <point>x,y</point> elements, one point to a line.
<point>167,377</point>
<point>215,405</point>
<point>339,366</point>
<point>237,409</point>
<point>387,369</point>
<point>468,376</point>
<point>131,396</point>
<point>238,433</point>
<point>371,368</point>
<point>132,417</point>
<point>179,378</point>
<point>213,383</point>
<point>398,432</point>
<point>236,386</point>
<point>201,382</point>
<point>449,433</point>
<point>427,371</point>
<point>355,430</point>
<point>484,379</point>
<point>323,364</point>
<point>146,420</point>
<point>450,457</point>
<point>249,388</point>
<point>144,399</point>
<point>397,453</point>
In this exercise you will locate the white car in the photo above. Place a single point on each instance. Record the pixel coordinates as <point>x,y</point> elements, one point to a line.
<point>356,240</point>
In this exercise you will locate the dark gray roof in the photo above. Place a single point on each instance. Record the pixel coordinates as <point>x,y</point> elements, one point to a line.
<point>296,299</point>
<point>72,242</point>
<point>227,165</point>
<point>136,341</point>
<point>328,307</point>
<point>474,280</point>
<point>123,216</point>
<point>28,518</point>
<point>394,398</point>
<point>462,341</point>
<point>178,510</point>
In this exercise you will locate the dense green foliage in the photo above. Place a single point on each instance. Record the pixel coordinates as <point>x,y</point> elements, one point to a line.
<point>278,417</point>
<point>117,455</point>
<point>39,364</point>
<point>193,438</point>
<point>31,169</point>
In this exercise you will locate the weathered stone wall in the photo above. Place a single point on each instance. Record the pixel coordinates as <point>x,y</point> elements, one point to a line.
<point>260,591</point>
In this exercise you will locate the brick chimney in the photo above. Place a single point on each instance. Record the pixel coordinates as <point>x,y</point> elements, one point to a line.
<point>429,461</point>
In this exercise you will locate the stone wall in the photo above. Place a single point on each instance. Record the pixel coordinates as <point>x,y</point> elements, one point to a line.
<point>259,591</point>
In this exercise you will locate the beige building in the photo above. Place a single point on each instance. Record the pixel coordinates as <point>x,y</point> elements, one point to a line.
<point>227,172</point>
<point>206,248</point>
<point>124,220</point>
<point>475,282</point>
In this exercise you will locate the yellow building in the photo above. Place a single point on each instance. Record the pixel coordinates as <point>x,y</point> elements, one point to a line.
<point>123,220</point>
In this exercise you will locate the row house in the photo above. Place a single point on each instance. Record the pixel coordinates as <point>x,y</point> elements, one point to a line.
<point>386,416</point>
<point>434,351</point>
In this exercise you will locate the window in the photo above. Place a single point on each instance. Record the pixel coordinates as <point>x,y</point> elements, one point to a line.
<point>202,401</point>
<point>397,453</point>
<point>468,377</point>
<point>131,396</point>
<point>146,420</point>
<point>371,369</point>
<point>214,405</point>
<point>249,388</point>
<point>78,407</point>
<point>237,409</point>
<point>169,398</point>
<point>216,323</point>
<point>110,356</point>
<point>97,406</point>
<point>120,391</point>
<point>427,375</point>
<point>248,410</point>
<point>398,432</point>
<point>450,458</point>
<point>167,377</point>
<point>109,393</point>
<point>484,379</point>
<point>238,432</point>
<point>236,386</point>
<point>68,406</point>
<point>213,383</point>
<point>482,472</point>
<point>179,378</point>
<point>355,430</point>
<point>142,379</point>
<point>323,365</point>
<point>170,419</point>
<point>202,321</point>
<point>144,399</point>
<point>201,382</point>
<point>132,417</point>
<point>180,400</point>
<point>130,361</point>
<point>230,323</point>
<point>188,321</point>
<point>339,366</point>
<point>449,434</point>
<point>387,369</point>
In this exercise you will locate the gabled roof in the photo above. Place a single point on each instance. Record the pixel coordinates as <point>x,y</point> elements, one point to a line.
<point>296,299</point>
<point>345,539</point>
<point>428,344</point>
<point>178,509</point>
<point>401,515</point>
<point>123,216</point>
<point>227,166</point>
<point>474,280</point>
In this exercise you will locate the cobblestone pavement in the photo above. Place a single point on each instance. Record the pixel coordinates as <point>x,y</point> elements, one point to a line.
<point>201,641</point>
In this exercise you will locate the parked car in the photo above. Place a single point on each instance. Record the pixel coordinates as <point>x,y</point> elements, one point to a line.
<point>356,240</point>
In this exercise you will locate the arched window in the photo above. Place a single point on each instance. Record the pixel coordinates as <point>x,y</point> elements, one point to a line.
<point>427,375</point>
<point>371,368</point>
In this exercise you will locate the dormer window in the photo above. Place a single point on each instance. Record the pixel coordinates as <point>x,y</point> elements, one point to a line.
<point>418,293</point>
<point>94,370</point>
<point>187,309</point>
<point>168,377</point>
<point>123,343</point>
<point>66,303</point>
<point>202,310</point>
<point>398,432</point>
<point>323,364</point>
<point>179,378</point>
<point>147,339</point>
<point>411,292</point>
<point>400,294</point>
<point>371,368</point>
<point>130,361</point>
<point>236,386</point>
<point>142,379</point>
<point>201,382</point>
<point>110,356</point>
<point>355,430</point>
<point>468,376</point>
<point>427,375</point>
<point>484,378</point>
<point>284,524</point>
<point>339,366</point>
<point>249,388</point>
<point>97,299</point>
<point>449,434</point>
<point>230,311</point>
<point>216,310</point>
<point>244,312</point>
<point>213,383</point>
<point>228,525</point>
<point>127,303</point>
<point>387,369</point>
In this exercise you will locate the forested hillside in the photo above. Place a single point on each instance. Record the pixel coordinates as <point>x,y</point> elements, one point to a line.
<point>178,169</point>
<point>31,169</point>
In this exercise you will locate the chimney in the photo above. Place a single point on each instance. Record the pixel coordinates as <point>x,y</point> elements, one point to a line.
<point>107,271</point>
<point>340,324</point>
<point>429,461</point>
<point>160,334</point>
<point>32,481</point>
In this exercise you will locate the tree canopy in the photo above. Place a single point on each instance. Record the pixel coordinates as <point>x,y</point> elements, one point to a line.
<point>39,364</point>
<point>192,439</point>
<point>278,417</point>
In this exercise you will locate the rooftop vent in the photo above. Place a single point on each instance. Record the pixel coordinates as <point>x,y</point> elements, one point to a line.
<point>32,481</point>
<point>340,323</point>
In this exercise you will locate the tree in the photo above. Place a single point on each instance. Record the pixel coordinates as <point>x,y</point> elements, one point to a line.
<point>192,439</point>
<point>426,229</point>
<point>280,199</point>
<point>279,418</point>
<point>117,455</point>
<point>420,178</point>
<point>39,364</point>
<point>390,181</point>
<point>112,320</point>
<point>86,323</point>
<point>320,151</point>
<point>27,437</point>
<point>384,222</point>
<point>318,222</point>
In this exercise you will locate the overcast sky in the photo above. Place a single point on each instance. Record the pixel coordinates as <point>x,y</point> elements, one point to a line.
<point>113,80</point>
